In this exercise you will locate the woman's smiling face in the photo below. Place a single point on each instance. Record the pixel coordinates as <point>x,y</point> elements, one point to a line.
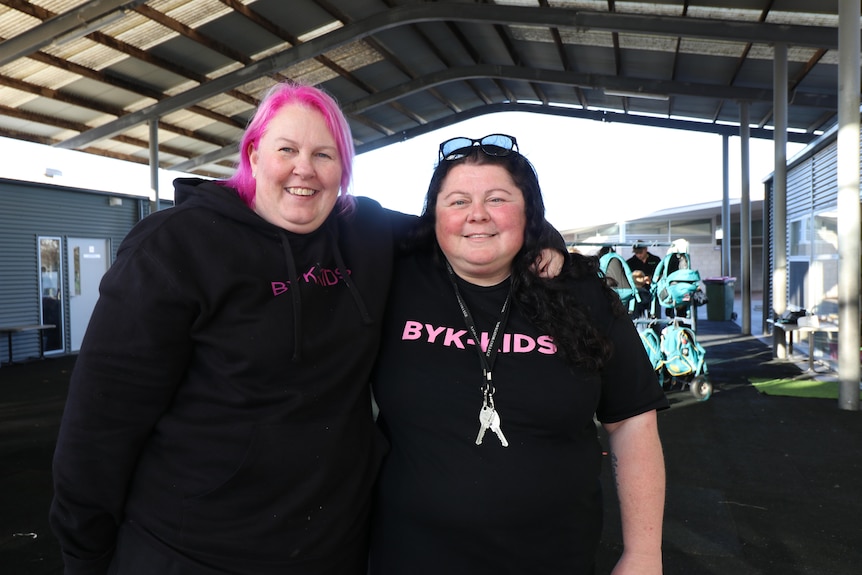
<point>297,170</point>
<point>480,221</point>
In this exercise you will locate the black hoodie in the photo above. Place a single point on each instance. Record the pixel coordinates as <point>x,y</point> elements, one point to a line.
<point>218,418</point>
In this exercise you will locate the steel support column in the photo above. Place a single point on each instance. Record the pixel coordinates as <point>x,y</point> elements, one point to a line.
<point>849,250</point>
<point>745,217</point>
<point>779,194</point>
<point>154,161</point>
<point>725,206</point>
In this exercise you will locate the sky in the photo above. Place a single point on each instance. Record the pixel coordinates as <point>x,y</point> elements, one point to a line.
<point>591,172</point>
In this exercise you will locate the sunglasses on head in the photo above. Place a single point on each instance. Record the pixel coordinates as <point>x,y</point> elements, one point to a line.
<point>492,145</point>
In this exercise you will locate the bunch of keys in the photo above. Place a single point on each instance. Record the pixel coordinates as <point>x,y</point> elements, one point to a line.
<point>488,417</point>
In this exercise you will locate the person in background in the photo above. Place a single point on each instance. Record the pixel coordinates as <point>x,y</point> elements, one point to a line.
<point>219,415</point>
<point>642,281</point>
<point>642,284</point>
<point>643,259</point>
<point>488,382</point>
<point>604,250</point>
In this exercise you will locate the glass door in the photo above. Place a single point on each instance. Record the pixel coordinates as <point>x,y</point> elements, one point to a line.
<point>50,292</point>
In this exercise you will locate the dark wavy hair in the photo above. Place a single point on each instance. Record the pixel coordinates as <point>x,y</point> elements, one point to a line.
<point>551,305</point>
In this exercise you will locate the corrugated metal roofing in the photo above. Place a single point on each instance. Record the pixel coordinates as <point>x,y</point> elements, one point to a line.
<point>89,75</point>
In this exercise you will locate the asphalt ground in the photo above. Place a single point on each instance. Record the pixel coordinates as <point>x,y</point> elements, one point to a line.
<point>756,484</point>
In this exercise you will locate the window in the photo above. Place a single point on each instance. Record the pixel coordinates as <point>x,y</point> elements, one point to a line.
<point>825,236</point>
<point>695,231</point>
<point>50,291</point>
<point>648,231</point>
<point>800,241</point>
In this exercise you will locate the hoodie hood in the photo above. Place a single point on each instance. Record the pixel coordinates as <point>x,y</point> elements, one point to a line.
<point>211,194</point>
<point>192,192</point>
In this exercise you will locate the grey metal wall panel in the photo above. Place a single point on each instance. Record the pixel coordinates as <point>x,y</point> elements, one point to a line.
<point>29,210</point>
<point>824,192</point>
<point>799,182</point>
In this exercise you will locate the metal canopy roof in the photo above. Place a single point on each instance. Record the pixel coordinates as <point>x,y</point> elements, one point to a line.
<point>91,75</point>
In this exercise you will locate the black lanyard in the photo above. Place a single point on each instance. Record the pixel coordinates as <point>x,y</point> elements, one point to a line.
<point>487,357</point>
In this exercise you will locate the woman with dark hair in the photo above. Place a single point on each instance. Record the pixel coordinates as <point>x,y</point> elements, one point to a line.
<point>516,489</point>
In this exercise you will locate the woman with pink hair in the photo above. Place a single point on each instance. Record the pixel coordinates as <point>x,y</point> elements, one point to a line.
<point>219,416</point>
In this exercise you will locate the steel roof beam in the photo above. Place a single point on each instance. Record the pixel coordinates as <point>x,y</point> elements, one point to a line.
<point>481,13</point>
<point>588,81</point>
<point>81,21</point>
<point>597,115</point>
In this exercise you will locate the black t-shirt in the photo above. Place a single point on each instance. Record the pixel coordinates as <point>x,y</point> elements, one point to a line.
<point>447,505</point>
<point>648,267</point>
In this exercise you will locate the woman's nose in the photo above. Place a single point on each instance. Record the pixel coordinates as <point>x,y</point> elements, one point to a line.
<point>302,166</point>
<point>478,211</point>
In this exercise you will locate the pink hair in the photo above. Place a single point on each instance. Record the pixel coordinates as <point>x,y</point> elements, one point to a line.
<point>281,95</point>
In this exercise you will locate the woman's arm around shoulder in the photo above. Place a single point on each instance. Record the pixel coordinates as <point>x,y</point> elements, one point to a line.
<point>402,224</point>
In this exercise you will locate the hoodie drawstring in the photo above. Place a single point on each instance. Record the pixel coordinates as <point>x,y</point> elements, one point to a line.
<point>296,298</point>
<point>342,270</point>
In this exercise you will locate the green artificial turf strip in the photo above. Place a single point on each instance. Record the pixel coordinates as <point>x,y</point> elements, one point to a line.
<point>797,387</point>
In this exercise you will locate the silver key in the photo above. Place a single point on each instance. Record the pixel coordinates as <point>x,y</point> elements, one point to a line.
<point>486,416</point>
<point>495,427</point>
